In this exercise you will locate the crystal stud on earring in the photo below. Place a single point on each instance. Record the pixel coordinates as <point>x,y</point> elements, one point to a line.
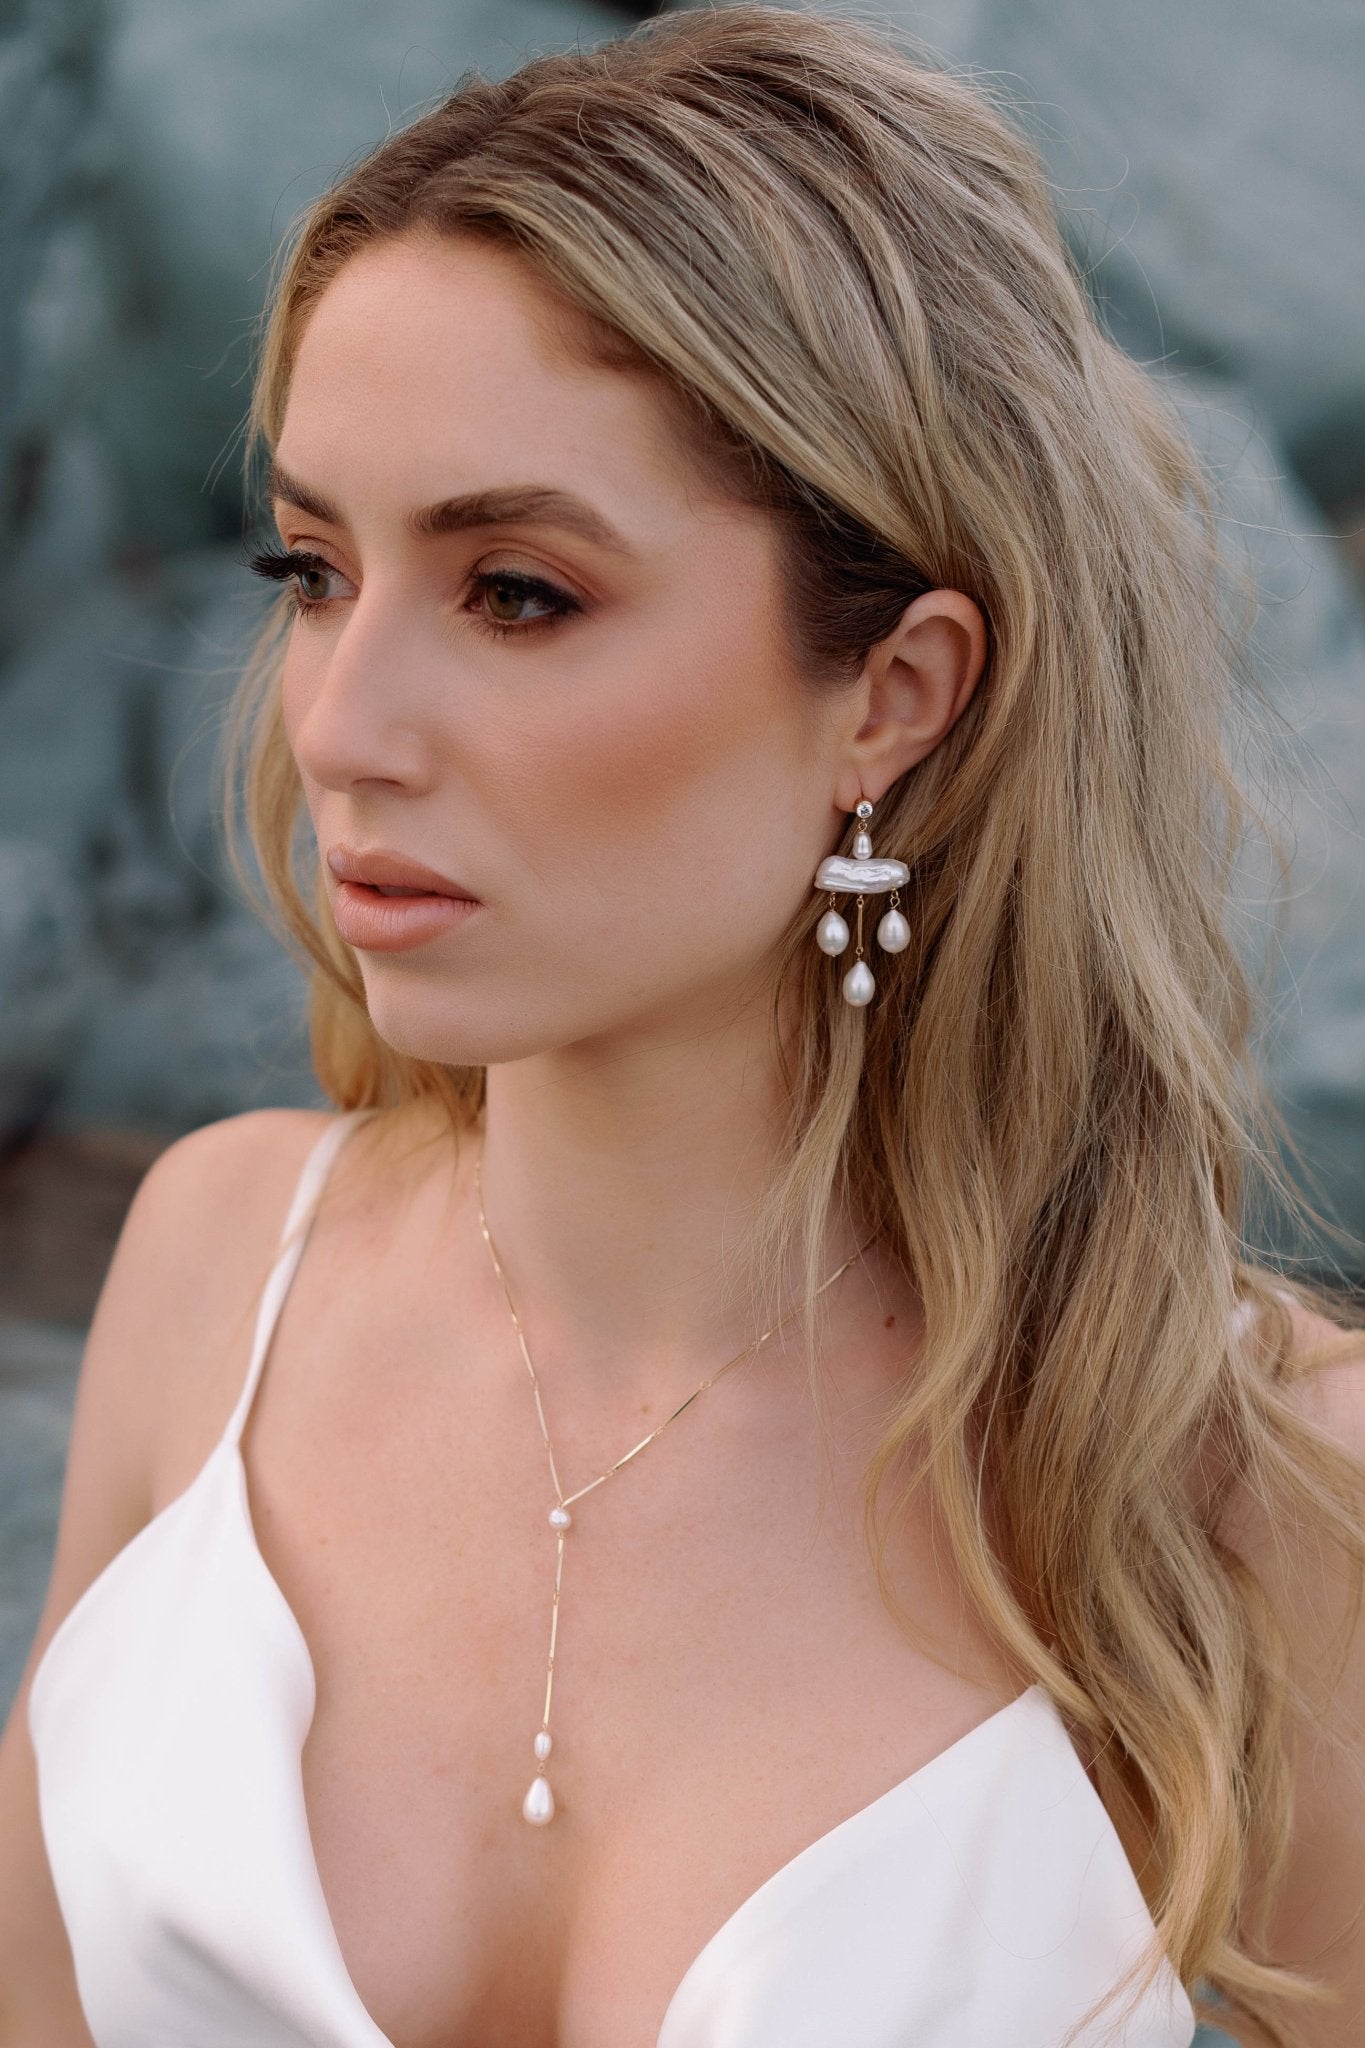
<point>861,876</point>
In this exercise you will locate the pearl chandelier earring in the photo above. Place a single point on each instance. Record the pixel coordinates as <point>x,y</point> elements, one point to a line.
<point>861,876</point>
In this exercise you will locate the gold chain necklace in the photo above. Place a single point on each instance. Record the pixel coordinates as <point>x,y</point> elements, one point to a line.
<point>539,1804</point>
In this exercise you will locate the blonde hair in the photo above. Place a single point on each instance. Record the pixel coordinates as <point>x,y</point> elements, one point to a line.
<point>844,269</point>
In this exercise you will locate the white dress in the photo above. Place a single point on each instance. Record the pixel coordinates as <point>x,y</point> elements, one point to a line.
<point>983,1902</point>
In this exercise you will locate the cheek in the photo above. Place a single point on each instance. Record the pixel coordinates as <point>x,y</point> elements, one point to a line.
<point>297,689</point>
<point>682,798</point>
<point>636,774</point>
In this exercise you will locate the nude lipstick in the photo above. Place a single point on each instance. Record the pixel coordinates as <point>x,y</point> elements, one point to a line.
<point>384,902</point>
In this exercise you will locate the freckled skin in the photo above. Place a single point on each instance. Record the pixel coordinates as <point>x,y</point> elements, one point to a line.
<point>640,793</point>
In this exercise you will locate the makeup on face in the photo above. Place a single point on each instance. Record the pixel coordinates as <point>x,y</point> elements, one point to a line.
<point>386,902</point>
<point>560,714</point>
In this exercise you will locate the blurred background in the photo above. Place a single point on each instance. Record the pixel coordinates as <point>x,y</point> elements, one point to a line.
<point>1210,166</point>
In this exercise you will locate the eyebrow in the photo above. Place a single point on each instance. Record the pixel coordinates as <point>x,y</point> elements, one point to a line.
<point>511,504</point>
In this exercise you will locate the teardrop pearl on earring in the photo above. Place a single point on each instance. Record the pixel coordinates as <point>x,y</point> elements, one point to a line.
<point>859,986</point>
<point>831,934</point>
<point>893,933</point>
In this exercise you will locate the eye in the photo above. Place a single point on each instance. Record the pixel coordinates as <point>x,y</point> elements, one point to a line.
<point>289,565</point>
<point>507,587</point>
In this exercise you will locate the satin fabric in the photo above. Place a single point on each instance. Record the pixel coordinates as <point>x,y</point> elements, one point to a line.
<point>983,1902</point>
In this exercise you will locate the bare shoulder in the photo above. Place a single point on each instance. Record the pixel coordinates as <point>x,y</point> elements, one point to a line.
<point>156,1370</point>
<point>168,1345</point>
<point>215,1203</point>
<point>159,1346</point>
<point>205,1221</point>
<point>1316,1920</point>
<point>239,1158</point>
<point>1325,1387</point>
<point>1299,1568</point>
<point>1330,1387</point>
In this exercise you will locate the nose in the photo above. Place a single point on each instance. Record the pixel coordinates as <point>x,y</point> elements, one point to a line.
<point>358,700</point>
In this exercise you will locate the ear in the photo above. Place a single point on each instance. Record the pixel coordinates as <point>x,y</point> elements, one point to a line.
<point>916,682</point>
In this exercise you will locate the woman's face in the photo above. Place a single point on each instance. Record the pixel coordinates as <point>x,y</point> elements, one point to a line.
<point>599,734</point>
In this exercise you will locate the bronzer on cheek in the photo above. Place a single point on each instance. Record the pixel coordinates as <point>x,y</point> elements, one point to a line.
<point>679,720</point>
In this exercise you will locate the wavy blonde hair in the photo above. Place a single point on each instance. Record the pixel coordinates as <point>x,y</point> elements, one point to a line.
<point>843,268</point>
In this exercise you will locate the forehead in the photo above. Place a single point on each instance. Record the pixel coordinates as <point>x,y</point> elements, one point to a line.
<point>451,361</point>
<point>415,298</point>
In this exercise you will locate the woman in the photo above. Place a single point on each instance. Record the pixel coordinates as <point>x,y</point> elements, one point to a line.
<point>734,591</point>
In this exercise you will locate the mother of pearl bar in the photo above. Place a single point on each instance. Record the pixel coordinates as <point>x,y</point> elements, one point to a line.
<point>861,877</point>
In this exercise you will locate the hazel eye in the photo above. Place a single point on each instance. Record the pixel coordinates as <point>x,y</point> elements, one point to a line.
<point>313,568</point>
<point>497,604</point>
<point>507,588</point>
<point>290,565</point>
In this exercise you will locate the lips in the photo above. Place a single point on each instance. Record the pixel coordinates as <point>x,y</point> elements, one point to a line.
<point>383,902</point>
<point>383,870</point>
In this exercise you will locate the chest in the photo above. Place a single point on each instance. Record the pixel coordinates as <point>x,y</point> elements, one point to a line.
<point>727,1687</point>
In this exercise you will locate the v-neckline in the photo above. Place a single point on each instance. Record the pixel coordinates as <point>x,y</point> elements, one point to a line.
<point>705,1961</point>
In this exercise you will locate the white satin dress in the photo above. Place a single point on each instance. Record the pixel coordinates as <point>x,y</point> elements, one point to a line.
<point>983,1902</point>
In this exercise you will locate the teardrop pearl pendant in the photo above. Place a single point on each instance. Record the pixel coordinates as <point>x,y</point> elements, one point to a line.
<point>863,875</point>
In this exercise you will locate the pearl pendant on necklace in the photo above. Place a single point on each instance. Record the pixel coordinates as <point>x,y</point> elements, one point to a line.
<point>539,1804</point>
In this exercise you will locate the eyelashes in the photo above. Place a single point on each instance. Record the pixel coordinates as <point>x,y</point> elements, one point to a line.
<point>288,565</point>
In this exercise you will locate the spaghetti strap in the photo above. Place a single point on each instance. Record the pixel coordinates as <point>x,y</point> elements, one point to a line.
<point>293,1237</point>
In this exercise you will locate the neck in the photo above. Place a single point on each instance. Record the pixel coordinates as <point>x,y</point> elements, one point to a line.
<point>615,1180</point>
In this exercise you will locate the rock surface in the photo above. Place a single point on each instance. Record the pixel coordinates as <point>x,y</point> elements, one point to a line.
<point>1212,162</point>
<point>58,486</point>
<point>38,1364</point>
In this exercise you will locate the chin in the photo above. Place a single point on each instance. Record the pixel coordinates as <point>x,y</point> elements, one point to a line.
<point>449,1030</point>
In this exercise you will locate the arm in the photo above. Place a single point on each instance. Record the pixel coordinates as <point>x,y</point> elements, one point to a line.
<point>161,1353</point>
